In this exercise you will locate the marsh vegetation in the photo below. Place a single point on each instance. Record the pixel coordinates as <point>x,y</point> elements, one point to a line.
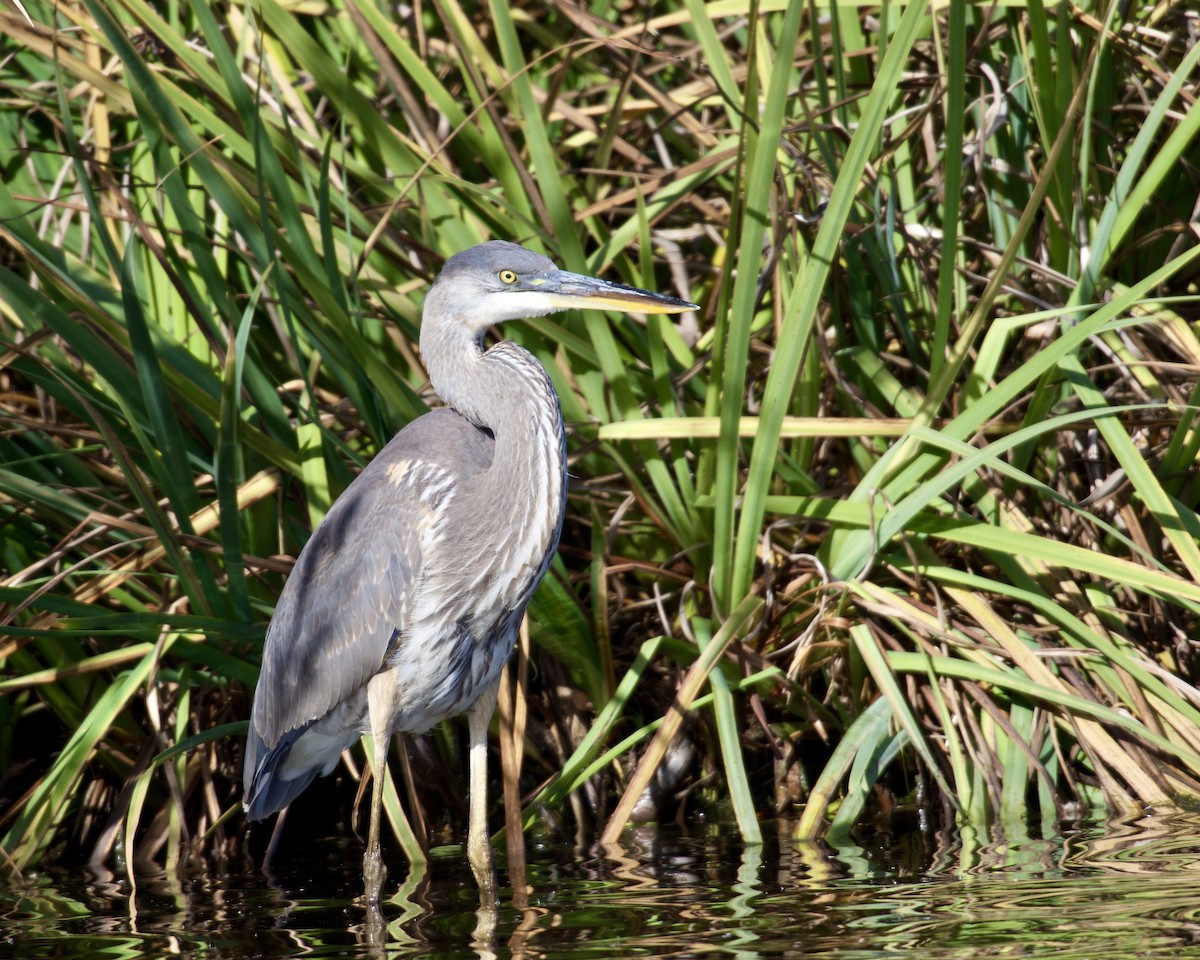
<point>901,524</point>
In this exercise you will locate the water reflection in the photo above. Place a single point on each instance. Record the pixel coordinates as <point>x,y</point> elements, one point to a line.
<point>1118,890</point>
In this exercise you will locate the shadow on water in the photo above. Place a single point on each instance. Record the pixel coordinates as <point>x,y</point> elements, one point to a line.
<point>1112,891</point>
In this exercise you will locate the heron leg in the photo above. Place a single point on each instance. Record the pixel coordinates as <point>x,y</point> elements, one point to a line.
<point>373,868</point>
<point>374,871</point>
<point>479,846</point>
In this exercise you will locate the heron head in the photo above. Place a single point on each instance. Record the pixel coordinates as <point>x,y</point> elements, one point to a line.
<point>497,281</point>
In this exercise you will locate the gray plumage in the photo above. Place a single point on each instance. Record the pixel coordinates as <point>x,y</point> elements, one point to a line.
<point>346,607</point>
<point>405,603</point>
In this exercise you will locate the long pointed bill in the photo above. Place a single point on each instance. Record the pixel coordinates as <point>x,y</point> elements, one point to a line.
<point>574,291</point>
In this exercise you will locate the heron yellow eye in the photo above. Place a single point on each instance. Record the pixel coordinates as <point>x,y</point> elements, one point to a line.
<point>507,277</point>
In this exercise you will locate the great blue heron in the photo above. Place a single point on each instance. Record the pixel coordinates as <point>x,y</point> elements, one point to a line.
<point>405,603</point>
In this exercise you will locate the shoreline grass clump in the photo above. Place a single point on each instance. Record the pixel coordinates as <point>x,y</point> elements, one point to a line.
<point>904,519</point>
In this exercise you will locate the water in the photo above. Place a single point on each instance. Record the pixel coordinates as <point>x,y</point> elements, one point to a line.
<point>1113,891</point>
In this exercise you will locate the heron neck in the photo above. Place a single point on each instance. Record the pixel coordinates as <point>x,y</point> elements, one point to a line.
<point>506,391</point>
<point>503,389</point>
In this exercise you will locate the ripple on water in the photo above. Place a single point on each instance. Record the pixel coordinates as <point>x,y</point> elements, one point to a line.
<point>1111,891</point>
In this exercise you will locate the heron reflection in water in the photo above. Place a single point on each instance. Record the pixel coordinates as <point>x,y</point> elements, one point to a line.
<point>405,603</point>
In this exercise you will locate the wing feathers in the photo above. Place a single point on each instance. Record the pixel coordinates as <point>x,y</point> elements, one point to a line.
<point>350,592</point>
